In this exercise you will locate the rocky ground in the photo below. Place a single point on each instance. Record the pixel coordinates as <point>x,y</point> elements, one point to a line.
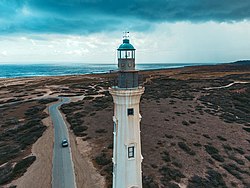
<point>195,126</point>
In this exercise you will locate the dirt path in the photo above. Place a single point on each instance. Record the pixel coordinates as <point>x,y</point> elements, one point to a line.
<point>226,86</point>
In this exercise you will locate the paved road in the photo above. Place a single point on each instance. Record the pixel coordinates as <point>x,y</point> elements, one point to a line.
<point>62,172</point>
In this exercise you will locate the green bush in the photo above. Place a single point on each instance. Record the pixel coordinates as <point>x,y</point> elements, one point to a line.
<point>232,169</point>
<point>80,128</point>
<point>8,173</point>
<point>21,167</point>
<point>102,159</point>
<point>5,173</point>
<point>171,174</point>
<point>221,138</point>
<point>211,150</point>
<point>101,131</point>
<point>185,123</point>
<point>248,157</point>
<point>212,180</point>
<point>166,156</point>
<point>214,153</point>
<point>169,136</point>
<point>47,100</point>
<point>234,158</point>
<point>148,182</point>
<point>185,148</point>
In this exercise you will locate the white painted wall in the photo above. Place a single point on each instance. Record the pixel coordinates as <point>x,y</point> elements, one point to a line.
<point>127,171</point>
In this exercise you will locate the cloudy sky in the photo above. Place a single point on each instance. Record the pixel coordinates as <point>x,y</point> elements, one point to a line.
<point>89,31</point>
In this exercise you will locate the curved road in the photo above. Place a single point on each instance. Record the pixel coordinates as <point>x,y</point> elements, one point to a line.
<point>63,168</point>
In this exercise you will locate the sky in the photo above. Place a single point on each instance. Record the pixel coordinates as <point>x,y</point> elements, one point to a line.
<point>89,31</point>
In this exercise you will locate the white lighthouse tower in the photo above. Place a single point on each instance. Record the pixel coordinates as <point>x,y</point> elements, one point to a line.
<point>127,156</point>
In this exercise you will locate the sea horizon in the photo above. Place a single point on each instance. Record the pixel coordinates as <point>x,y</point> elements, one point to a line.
<point>19,70</point>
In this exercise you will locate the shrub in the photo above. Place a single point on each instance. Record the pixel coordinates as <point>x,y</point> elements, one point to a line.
<point>166,156</point>
<point>210,149</point>
<point>47,100</point>
<point>185,123</point>
<point>169,136</point>
<point>102,159</point>
<point>239,161</point>
<point>148,182</point>
<point>227,147</point>
<point>221,138</point>
<point>192,122</point>
<point>232,169</point>
<point>185,148</point>
<point>239,150</point>
<point>197,144</point>
<point>206,136</point>
<point>5,173</point>
<point>248,157</point>
<point>80,128</point>
<point>214,153</point>
<point>21,167</point>
<point>110,146</point>
<point>171,174</point>
<point>212,180</point>
<point>101,131</point>
<point>177,164</point>
<point>218,157</point>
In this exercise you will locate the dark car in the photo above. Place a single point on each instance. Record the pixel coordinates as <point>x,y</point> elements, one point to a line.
<point>65,143</point>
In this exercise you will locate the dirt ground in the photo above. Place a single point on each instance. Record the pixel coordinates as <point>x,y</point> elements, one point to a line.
<point>176,119</point>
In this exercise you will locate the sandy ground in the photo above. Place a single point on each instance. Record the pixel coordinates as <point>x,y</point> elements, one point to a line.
<point>86,174</point>
<point>39,173</point>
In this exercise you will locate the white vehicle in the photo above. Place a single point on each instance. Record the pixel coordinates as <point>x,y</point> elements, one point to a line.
<point>65,143</point>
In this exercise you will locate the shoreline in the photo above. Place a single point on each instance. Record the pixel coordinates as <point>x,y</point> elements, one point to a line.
<point>96,73</point>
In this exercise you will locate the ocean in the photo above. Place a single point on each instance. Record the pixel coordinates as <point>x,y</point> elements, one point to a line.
<point>31,70</point>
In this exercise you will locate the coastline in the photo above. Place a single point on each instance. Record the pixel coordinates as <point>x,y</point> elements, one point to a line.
<point>82,69</point>
<point>90,87</point>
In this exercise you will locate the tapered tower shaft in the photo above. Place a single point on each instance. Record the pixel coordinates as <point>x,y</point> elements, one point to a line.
<point>127,158</point>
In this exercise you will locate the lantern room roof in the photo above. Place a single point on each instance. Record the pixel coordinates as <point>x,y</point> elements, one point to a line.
<point>126,45</point>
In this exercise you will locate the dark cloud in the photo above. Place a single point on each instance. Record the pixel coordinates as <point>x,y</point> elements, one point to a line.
<point>87,16</point>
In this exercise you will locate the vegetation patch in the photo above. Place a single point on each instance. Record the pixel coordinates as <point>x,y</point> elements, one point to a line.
<point>185,123</point>
<point>237,160</point>
<point>9,173</point>
<point>148,182</point>
<point>185,148</point>
<point>102,159</point>
<point>166,156</point>
<point>214,153</point>
<point>221,138</point>
<point>213,179</point>
<point>170,174</point>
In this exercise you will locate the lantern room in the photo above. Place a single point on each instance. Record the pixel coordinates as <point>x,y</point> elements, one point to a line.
<point>127,75</point>
<point>126,55</point>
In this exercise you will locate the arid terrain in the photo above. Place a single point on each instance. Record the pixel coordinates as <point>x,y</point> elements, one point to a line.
<point>195,127</point>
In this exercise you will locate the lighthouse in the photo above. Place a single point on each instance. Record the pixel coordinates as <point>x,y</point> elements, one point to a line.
<point>127,157</point>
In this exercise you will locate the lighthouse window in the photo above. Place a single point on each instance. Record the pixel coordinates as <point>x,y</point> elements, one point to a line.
<point>123,54</point>
<point>129,54</point>
<point>130,111</point>
<point>131,152</point>
<point>119,54</point>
